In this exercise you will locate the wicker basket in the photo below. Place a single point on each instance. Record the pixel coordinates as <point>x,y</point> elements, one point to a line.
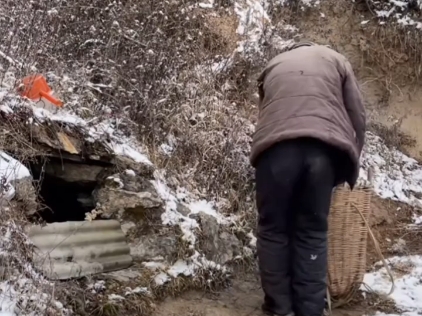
<point>347,241</point>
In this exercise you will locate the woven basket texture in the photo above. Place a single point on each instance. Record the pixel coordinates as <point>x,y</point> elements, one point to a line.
<point>347,240</point>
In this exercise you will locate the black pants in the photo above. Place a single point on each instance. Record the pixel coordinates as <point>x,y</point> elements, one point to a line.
<point>294,182</point>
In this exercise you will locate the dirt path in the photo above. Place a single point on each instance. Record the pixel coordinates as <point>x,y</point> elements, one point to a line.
<point>244,298</point>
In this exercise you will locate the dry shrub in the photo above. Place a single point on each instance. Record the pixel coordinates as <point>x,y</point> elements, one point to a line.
<point>395,51</point>
<point>207,280</point>
<point>393,136</point>
<point>390,47</point>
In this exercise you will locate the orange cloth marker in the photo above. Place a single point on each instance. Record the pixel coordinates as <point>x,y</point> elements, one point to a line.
<point>36,87</point>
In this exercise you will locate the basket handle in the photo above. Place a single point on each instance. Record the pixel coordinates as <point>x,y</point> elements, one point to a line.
<point>378,251</point>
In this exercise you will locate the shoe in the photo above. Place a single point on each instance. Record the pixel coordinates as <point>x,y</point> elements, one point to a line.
<point>268,312</point>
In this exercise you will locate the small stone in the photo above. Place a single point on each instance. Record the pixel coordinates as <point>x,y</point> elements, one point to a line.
<point>74,172</point>
<point>218,246</point>
<point>149,247</point>
<point>129,193</point>
<point>183,209</point>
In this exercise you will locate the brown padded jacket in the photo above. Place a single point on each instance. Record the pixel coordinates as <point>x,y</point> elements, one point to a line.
<point>311,91</point>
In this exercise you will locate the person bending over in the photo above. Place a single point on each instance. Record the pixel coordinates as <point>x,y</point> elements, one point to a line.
<point>309,137</point>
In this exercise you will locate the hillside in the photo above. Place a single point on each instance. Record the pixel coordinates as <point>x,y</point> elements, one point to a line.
<point>149,155</point>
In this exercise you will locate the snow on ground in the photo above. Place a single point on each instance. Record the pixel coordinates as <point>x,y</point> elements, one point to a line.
<point>397,176</point>
<point>10,171</point>
<point>408,287</point>
<point>189,228</point>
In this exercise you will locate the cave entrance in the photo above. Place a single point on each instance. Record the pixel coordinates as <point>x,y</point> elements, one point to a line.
<point>65,189</point>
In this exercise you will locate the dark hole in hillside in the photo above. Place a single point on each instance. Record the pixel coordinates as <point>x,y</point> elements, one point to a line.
<point>62,200</point>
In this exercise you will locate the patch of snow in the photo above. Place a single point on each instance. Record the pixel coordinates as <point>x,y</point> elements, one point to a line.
<point>399,247</point>
<point>181,267</point>
<point>130,172</point>
<point>311,2</point>
<point>206,5</point>
<point>166,149</point>
<point>255,26</point>
<point>58,305</point>
<point>137,290</point>
<point>152,265</point>
<point>7,303</point>
<point>417,220</point>
<point>127,150</point>
<point>10,171</point>
<point>253,240</point>
<point>209,209</point>
<point>60,116</point>
<point>397,11</point>
<point>117,180</point>
<point>5,108</point>
<point>396,176</point>
<point>302,3</point>
<point>97,287</point>
<point>102,131</point>
<point>188,267</point>
<point>408,287</point>
<point>253,16</point>
<point>223,65</point>
<point>115,297</point>
<point>172,216</point>
<point>188,226</point>
<point>161,278</point>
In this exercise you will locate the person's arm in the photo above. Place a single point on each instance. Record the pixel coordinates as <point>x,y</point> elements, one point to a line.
<point>354,104</point>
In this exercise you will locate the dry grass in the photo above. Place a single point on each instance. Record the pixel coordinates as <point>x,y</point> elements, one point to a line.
<point>373,302</point>
<point>393,136</point>
<point>392,48</point>
<point>394,52</point>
